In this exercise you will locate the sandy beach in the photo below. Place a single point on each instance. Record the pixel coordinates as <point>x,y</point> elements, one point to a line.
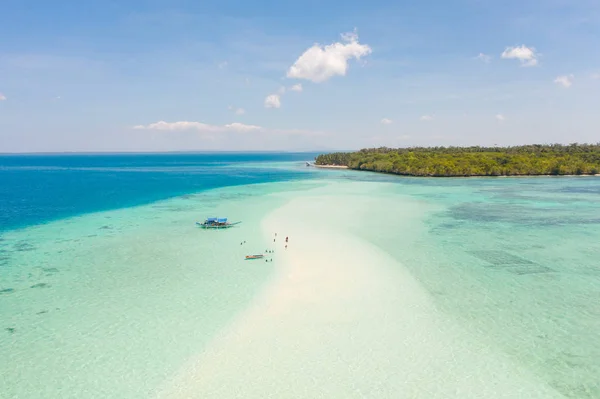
<point>331,166</point>
<point>342,319</point>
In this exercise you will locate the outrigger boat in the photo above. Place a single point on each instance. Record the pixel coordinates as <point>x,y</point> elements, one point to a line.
<point>216,223</point>
<point>248,257</point>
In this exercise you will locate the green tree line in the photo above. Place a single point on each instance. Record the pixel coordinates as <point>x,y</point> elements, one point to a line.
<point>527,160</point>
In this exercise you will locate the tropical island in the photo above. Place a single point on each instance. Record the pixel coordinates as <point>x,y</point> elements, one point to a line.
<point>527,160</point>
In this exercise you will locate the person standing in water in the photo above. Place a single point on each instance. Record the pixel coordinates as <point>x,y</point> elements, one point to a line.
<point>286,239</point>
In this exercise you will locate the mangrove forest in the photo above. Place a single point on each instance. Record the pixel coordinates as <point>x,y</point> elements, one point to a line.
<point>527,160</point>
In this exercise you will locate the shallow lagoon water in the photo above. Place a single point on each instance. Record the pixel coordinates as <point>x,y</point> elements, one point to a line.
<point>515,260</point>
<point>114,303</point>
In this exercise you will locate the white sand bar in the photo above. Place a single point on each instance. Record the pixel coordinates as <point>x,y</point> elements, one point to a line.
<point>343,319</point>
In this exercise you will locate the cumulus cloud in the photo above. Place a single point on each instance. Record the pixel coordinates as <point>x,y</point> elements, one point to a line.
<point>197,126</point>
<point>386,121</point>
<point>297,87</point>
<point>526,55</point>
<point>319,63</point>
<point>426,118</point>
<point>273,101</point>
<point>2,97</point>
<point>484,58</point>
<point>565,81</point>
<point>500,117</point>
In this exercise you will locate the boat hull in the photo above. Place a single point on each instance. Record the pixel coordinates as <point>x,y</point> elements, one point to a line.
<point>216,226</point>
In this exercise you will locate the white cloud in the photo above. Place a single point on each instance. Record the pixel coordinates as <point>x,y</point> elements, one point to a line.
<point>526,55</point>
<point>198,126</point>
<point>595,76</point>
<point>426,118</point>
<point>565,81</point>
<point>230,127</point>
<point>223,65</point>
<point>386,121</point>
<point>484,57</point>
<point>272,101</point>
<point>2,97</point>
<point>500,117</point>
<point>320,63</point>
<point>297,87</point>
<point>241,127</point>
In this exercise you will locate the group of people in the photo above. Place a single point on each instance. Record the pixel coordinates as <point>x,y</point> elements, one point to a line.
<point>272,250</point>
<point>286,240</point>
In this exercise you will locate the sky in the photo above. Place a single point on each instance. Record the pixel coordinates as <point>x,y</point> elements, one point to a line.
<point>183,75</point>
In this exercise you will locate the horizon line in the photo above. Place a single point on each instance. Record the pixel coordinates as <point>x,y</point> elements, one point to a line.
<point>168,152</point>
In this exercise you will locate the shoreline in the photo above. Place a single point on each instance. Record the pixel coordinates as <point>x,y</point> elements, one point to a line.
<point>447,177</point>
<point>331,166</point>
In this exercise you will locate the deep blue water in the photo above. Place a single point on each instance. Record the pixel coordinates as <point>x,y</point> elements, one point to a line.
<point>39,188</point>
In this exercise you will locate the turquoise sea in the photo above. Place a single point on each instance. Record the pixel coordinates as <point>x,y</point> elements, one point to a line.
<point>108,290</point>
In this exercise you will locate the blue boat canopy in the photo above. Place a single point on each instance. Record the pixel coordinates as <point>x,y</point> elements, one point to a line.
<point>222,220</point>
<point>211,219</point>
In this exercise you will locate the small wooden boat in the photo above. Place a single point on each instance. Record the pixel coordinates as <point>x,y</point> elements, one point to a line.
<point>216,223</point>
<point>249,257</point>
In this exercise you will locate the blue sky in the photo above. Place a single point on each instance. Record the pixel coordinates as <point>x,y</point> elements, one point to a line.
<point>222,75</point>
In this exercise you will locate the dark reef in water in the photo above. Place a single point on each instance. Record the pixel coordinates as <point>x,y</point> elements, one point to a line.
<point>11,330</point>
<point>50,269</point>
<point>7,290</point>
<point>509,262</point>
<point>41,285</point>
<point>23,246</point>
